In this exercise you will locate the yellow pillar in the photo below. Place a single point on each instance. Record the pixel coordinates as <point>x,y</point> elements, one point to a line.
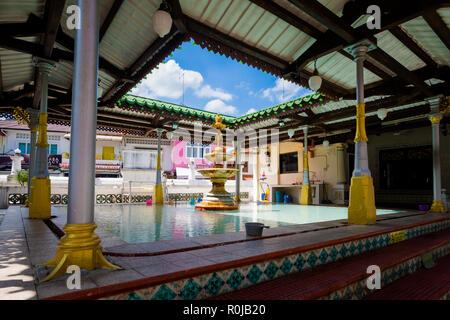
<point>305,197</point>
<point>39,203</point>
<point>158,196</point>
<point>361,209</point>
<point>437,205</point>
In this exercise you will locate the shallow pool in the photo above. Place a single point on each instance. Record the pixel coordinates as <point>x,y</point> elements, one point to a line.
<point>141,223</point>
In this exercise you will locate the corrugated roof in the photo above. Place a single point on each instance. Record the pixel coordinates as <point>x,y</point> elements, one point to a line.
<point>419,30</point>
<point>250,23</point>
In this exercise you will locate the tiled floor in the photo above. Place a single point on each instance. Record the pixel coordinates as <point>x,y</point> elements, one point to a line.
<point>25,243</point>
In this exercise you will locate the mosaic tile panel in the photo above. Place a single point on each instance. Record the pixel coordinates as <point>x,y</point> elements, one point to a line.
<point>224,281</point>
<point>359,289</point>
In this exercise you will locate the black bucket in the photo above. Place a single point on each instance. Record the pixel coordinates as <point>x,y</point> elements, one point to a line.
<point>254,229</point>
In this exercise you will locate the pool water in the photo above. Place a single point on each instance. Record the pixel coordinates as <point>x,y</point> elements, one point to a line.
<point>141,223</point>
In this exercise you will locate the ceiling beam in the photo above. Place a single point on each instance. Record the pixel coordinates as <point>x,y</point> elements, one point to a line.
<point>326,17</point>
<point>369,66</point>
<point>52,16</point>
<point>211,33</point>
<point>158,55</point>
<point>177,15</point>
<point>288,17</point>
<point>397,12</point>
<point>109,18</point>
<point>439,27</point>
<point>400,70</point>
<point>411,45</point>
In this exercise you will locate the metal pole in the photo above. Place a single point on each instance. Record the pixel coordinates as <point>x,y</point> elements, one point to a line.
<point>81,246</point>
<point>40,186</point>
<point>237,197</point>
<point>361,208</point>
<point>34,118</point>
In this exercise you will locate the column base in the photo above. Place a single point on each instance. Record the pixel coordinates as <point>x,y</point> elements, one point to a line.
<point>361,209</point>
<point>80,246</point>
<point>158,196</point>
<point>237,199</point>
<point>437,206</point>
<point>39,201</point>
<point>305,196</point>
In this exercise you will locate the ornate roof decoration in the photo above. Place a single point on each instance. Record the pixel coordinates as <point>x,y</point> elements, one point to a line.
<point>165,109</point>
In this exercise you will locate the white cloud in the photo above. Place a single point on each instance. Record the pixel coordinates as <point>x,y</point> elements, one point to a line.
<point>166,82</point>
<point>219,106</point>
<point>251,110</point>
<point>291,90</point>
<point>208,92</point>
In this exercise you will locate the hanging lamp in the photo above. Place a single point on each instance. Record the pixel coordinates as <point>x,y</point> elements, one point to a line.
<point>315,81</point>
<point>162,21</point>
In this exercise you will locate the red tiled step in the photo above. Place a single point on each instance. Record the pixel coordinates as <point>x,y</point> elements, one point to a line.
<point>325,279</point>
<point>425,284</point>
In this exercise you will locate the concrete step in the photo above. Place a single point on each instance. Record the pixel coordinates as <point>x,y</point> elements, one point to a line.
<point>425,284</point>
<point>347,278</point>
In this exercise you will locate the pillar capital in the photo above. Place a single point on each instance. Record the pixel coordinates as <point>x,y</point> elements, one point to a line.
<point>434,102</point>
<point>44,65</point>
<point>435,118</point>
<point>359,49</point>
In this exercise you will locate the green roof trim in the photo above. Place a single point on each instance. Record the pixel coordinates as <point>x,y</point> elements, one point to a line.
<point>203,114</point>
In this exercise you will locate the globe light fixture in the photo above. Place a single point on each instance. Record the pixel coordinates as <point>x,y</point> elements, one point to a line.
<point>315,81</point>
<point>162,22</point>
<point>326,143</point>
<point>290,133</point>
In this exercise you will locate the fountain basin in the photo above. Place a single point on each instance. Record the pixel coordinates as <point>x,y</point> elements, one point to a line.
<point>217,198</point>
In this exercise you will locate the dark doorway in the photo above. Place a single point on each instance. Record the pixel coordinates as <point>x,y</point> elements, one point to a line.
<point>406,168</point>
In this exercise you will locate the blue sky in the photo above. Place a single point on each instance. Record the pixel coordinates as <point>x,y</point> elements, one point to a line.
<point>215,83</point>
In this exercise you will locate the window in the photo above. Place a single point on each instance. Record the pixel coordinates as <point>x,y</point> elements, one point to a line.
<point>289,162</point>
<point>23,147</point>
<point>53,149</point>
<point>398,168</point>
<point>108,153</point>
<point>196,150</point>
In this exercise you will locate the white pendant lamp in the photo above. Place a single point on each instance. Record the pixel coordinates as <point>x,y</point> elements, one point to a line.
<point>291,133</point>
<point>162,22</point>
<point>315,81</point>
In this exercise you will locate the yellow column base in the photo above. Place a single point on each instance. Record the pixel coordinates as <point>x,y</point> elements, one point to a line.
<point>437,206</point>
<point>81,247</point>
<point>39,202</point>
<point>361,209</point>
<point>158,196</point>
<point>237,199</point>
<point>305,196</point>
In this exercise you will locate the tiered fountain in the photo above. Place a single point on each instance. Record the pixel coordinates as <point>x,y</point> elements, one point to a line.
<point>218,198</point>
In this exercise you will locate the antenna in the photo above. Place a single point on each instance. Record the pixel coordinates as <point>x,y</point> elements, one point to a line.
<point>182,86</point>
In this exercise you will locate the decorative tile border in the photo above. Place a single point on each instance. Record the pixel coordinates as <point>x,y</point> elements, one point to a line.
<point>359,290</point>
<point>211,284</point>
<point>20,198</point>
